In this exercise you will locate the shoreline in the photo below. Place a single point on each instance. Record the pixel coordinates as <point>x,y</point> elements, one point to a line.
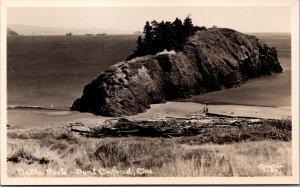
<point>23,118</point>
<point>232,104</point>
<point>182,109</point>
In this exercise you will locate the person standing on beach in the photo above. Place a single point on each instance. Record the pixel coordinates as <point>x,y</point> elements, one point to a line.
<point>205,109</point>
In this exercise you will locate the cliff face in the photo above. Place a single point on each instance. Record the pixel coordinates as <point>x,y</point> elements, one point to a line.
<point>212,59</point>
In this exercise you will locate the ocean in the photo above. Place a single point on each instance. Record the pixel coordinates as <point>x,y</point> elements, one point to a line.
<point>51,71</point>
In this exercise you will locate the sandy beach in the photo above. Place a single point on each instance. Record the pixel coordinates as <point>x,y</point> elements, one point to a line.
<point>183,109</point>
<point>33,118</point>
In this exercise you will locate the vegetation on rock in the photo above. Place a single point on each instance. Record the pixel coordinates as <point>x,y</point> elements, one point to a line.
<point>164,35</point>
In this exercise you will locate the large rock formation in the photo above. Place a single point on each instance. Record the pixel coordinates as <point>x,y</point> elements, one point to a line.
<point>212,59</point>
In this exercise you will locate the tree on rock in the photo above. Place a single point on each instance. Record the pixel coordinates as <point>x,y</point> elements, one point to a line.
<point>164,35</point>
<point>148,39</point>
<point>188,28</point>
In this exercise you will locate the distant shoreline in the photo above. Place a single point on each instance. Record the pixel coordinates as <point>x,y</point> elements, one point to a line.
<point>20,107</point>
<point>257,34</point>
<point>75,35</point>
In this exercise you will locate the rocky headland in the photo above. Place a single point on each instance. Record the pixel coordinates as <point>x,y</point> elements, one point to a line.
<point>211,60</point>
<point>11,32</point>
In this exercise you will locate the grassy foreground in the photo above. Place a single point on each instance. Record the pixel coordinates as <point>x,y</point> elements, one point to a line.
<point>57,152</point>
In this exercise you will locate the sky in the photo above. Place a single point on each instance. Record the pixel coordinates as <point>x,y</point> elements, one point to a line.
<point>243,19</point>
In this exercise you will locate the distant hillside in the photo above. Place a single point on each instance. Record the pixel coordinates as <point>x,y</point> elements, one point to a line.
<point>39,30</point>
<point>11,32</point>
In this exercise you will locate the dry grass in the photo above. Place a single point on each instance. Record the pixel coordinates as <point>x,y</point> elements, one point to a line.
<point>56,148</point>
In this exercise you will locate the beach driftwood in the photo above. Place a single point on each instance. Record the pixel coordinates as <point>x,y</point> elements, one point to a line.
<point>203,129</point>
<point>124,127</point>
<point>167,127</point>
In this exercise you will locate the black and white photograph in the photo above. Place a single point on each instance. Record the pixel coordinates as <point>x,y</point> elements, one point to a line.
<point>142,92</point>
